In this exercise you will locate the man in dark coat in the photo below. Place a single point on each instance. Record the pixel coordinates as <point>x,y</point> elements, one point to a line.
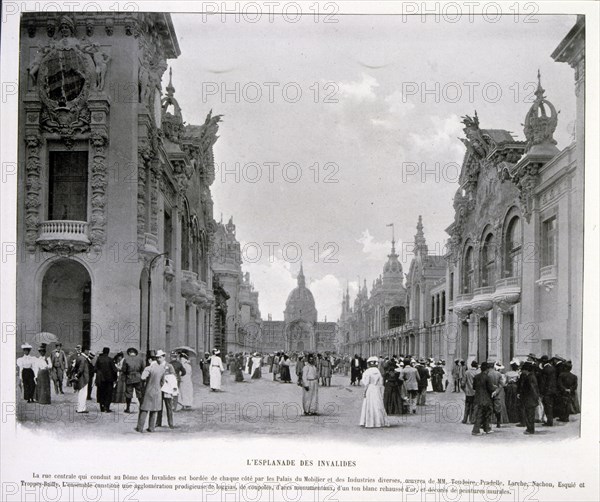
<point>528,394</point>
<point>132,368</point>
<point>484,391</point>
<point>92,370</point>
<point>548,389</point>
<point>567,387</point>
<point>81,372</point>
<point>356,369</point>
<point>106,375</point>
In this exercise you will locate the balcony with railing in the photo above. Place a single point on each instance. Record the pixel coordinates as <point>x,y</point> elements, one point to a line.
<point>463,304</point>
<point>507,293</point>
<point>482,299</point>
<point>63,235</point>
<point>548,277</point>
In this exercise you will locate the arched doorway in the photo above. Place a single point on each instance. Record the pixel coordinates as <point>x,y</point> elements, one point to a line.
<point>67,302</point>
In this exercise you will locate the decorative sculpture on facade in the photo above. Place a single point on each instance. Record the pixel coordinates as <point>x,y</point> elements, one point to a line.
<point>65,72</point>
<point>541,120</point>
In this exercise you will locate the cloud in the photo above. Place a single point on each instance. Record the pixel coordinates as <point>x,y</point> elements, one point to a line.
<point>374,250</point>
<point>273,281</point>
<point>362,90</point>
<point>328,293</point>
<point>398,104</point>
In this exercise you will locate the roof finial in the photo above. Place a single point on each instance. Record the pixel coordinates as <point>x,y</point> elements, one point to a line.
<point>170,88</point>
<point>301,279</point>
<point>420,243</point>
<point>539,92</point>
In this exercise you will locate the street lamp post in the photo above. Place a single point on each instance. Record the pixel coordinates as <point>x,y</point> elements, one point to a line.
<point>149,298</point>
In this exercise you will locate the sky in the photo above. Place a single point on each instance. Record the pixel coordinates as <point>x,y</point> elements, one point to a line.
<point>332,131</point>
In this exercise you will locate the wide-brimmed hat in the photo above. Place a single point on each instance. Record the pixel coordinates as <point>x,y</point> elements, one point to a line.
<point>160,352</point>
<point>373,359</point>
<point>132,349</point>
<point>184,355</point>
<point>26,346</point>
<point>216,352</point>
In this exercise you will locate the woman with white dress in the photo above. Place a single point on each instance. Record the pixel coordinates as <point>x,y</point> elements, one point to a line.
<point>216,370</point>
<point>373,411</point>
<point>186,387</point>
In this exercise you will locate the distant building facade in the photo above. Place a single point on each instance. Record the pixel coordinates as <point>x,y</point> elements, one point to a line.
<point>300,330</point>
<point>241,320</point>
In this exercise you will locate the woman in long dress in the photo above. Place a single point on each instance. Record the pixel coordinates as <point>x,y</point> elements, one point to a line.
<point>216,370</point>
<point>186,387</point>
<point>256,365</point>
<point>119,390</point>
<point>205,367</point>
<point>510,393</point>
<point>239,366</point>
<point>392,399</point>
<point>373,412</point>
<point>284,369</point>
<point>42,387</point>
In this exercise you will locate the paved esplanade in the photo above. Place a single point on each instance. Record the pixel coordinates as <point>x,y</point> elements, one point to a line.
<point>264,407</point>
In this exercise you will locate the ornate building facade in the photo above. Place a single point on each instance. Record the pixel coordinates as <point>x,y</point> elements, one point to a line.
<point>300,330</point>
<point>242,320</point>
<point>115,216</point>
<point>377,322</point>
<point>512,281</point>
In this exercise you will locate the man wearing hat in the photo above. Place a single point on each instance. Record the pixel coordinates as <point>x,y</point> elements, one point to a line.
<point>423,380</point>
<point>27,365</point>
<point>548,389</point>
<point>484,389</point>
<point>567,388</point>
<point>310,386</point>
<point>106,375</point>
<point>153,375</point>
<point>71,360</point>
<point>528,395</point>
<point>216,370</point>
<point>411,378</point>
<point>467,387</point>
<point>58,359</point>
<point>81,372</point>
<point>132,368</point>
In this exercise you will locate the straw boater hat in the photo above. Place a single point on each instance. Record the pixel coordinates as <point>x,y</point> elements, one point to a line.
<point>26,346</point>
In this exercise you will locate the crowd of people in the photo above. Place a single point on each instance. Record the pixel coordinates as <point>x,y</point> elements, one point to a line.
<point>157,383</point>
<point>535,390</point>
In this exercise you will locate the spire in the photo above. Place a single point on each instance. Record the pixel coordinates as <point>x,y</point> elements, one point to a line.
<point>420,244</point>
<point>301,279</point>
<point>170,88</point>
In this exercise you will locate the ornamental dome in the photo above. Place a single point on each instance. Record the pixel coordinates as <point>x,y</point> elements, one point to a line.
<point>300,304</point>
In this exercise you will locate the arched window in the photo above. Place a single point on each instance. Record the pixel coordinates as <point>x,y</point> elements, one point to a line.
<point>396,317</point>
<point>488,261</point>
<point>513,248</point>
<point>185,240</point>
<point>468,271</point>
